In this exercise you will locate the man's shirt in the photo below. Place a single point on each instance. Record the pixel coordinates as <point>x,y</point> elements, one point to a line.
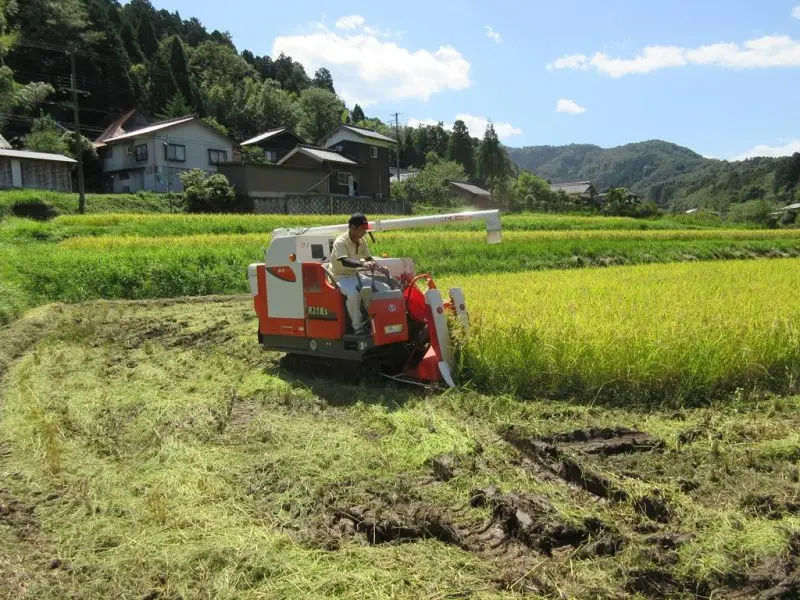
<point>344,247</point>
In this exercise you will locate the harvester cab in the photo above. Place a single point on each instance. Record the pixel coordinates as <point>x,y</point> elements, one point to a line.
<point>301,310</point>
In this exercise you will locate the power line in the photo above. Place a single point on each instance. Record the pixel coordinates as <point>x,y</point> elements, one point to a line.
<point>68,50</point>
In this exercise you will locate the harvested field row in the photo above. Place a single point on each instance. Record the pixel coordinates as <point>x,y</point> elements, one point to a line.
<point>151,225</point>
<point>151,449</point>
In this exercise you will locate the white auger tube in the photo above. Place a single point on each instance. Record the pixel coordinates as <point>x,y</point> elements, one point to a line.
<point>490,217</point>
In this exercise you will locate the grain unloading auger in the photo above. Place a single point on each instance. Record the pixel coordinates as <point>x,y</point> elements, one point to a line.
<point>301,310</point>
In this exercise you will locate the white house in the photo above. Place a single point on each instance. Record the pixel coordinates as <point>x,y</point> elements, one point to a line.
<point>152,158</point>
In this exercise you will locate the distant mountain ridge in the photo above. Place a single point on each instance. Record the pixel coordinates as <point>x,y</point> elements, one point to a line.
<point>671,175</point>
<point>637,166</point>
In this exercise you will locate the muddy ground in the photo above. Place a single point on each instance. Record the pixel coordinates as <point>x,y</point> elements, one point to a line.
<point>152,450</point>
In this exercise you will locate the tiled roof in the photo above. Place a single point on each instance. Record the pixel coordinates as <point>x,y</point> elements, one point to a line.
<point>472,189</point>
<point>572,187</point>
<point>369,133</point>
<point>264,136</point>
<point>149,129</point>
<point>319,154</point>
<point>36,156</point>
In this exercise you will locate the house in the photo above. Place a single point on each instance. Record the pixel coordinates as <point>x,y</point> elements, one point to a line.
<point>276,143</point>
<point>343,174</point>
<point>585,189</point>
<point>151,158</point>
<point>475,195</point>
<point>371,150</point>
<point>39,170</point>
<point>349,161</point>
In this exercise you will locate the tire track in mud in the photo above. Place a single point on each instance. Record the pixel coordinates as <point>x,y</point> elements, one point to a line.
<point>559,454</point>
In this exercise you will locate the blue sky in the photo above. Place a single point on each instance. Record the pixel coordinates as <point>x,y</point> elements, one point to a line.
<point>721,77</point>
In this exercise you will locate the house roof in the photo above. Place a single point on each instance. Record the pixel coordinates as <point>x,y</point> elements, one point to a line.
<point>319,154</point>
<point>572,187</point>
<point>36,155</point>
<point>4,145</point>
<point>472,189</point>
<point>150,129</point>
<point>268,134</point>
<point>116,128</point>
<point>361,132</point>
<point>368,133</point>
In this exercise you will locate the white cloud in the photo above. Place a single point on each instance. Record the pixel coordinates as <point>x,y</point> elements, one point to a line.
<point>569,106</point>
<point>350,22</point>
<point>492,34</point>
<point>379,70</point>
<point>764,52</point>
<point>476,125</point>
<point>796,12</point>
<point>412,122</point>
<point>787,149</point>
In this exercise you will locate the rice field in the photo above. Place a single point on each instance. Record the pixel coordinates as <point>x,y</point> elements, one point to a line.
<point>641,334</point>
<point>150,225</point>
<point>564,328</point>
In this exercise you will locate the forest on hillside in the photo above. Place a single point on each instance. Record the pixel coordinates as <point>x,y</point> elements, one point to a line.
<point>673,176</point>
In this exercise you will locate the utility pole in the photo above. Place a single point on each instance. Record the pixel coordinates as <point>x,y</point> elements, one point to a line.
<point>397,150</point>
<point>78,146</point>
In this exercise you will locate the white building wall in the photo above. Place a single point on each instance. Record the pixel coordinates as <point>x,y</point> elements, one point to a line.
<point>157,173</point>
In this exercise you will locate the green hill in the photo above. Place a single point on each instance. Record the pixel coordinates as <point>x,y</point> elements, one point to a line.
<point>673,176</point>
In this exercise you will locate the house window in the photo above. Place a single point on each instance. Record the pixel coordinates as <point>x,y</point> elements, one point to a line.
<point>176,152</point>
<point>106,152</point>
<point>272,156</point>
<point>343,178</point>
<point>124,176</point>
<point>141,152</point>
<point>217,156</point>
<point>373,151</point>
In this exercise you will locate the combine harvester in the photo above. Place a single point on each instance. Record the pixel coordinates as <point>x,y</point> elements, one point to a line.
<point>301,310</point>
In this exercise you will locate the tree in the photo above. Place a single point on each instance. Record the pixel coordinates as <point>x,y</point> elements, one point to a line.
<point>291,75</point>
<point>14,96</point>
<point>45,137</point>
<point>176,107</point>
<point>146,35</point>
<point>254,155</point>
<point>207,193</point>
<point>102,37</point>
<point>212,122</point>
<point>460,148</point>
<point>430,186</point>
<point>162,83</point>
<point>212,63</point>
<point>323,79</point>
<point>321,112</point>
<point>530,192</point>
<point>274,107</point>
<point>615,201</point>
<point>493,164</point>
<point>176,56</point>
<point>131,44</point>
<point>357,115</point>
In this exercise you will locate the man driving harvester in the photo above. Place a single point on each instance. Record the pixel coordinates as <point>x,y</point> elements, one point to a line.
<point>349,258</point>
